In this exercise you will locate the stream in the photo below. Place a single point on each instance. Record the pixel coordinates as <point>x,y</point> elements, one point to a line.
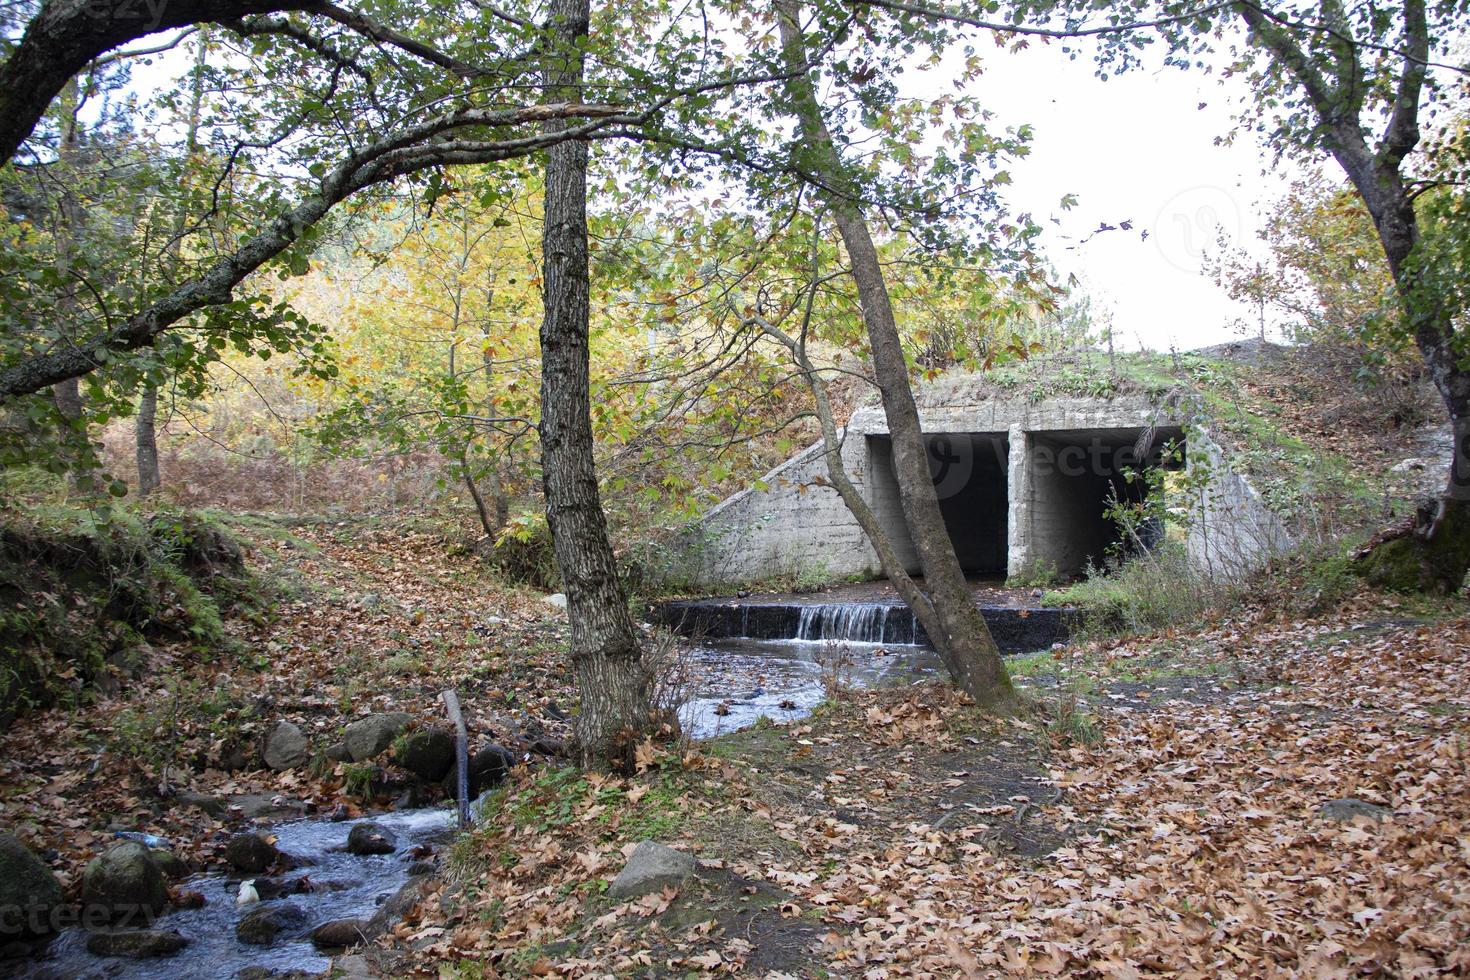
<point>731,681</point>
<point>738,681</point>
<point>343,885</point>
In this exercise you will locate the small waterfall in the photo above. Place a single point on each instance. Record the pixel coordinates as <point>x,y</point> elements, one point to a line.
<point>856,622</point>
<point>890,624</point>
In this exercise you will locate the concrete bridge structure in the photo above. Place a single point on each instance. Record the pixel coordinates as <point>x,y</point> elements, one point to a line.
<point>1023,485</point>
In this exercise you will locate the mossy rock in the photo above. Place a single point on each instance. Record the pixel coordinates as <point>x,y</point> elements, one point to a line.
<point>1410,563</point>
<point>30,895</point>
<point>427,753</point>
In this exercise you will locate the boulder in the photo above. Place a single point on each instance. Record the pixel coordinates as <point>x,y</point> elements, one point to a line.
<point>169,863</point>
<point>651,867</point>
<point>286,747</point>
<point>30,895</point>
<point>251,853</point>
<point>253,806</point>
<point>262,924</point>
<point>125,885</point>
<point>370,838</point>
<point>487,767</point>
<point>269,888</point>
<point>339,933</point>
<point>354,968</point>
<point>337,752</point>
<point>212,805</point>
<point>427,753</point>
<point>396,907</point>
<point>1349,809</point>
<point>367,737</point>
<point>557,600</point>
<point>410,799</point>
<point>136,944</point>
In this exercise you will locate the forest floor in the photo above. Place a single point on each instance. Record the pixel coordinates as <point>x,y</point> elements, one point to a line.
<point>368,617</point>
<point>1188,816</point>
<point>1156,807</point>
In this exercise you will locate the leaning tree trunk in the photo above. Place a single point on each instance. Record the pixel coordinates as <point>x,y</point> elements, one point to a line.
<point>888,558</point>
<point>963,641</point>
<point>614,689</point>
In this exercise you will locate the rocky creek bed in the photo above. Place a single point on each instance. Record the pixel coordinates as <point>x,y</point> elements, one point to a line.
<point>355,892</point>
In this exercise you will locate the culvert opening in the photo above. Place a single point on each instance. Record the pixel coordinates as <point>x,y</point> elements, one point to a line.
<point>1077,477</point>
<point>970,471</point>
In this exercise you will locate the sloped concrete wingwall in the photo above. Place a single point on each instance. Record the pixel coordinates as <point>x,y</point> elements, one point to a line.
<point>796,525</point>
<point>1231,531</point>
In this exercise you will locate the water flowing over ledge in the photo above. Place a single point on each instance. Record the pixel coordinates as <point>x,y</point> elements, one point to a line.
<point>891,623</point>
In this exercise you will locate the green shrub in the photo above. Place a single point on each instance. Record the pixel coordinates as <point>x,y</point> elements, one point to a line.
<point>81,592</point>
<point>522,552</point>
<point>1142,594</point>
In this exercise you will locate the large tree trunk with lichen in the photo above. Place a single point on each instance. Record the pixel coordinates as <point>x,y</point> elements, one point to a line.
<point>1433,552</point>
<point>614,709</point>
<point>963,639</point>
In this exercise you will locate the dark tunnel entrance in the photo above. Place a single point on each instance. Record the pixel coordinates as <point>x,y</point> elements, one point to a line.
<point>1076,478</point>
<point>971,473</point>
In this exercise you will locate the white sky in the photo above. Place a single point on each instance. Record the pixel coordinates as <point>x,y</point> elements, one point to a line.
<point>1135,147</point>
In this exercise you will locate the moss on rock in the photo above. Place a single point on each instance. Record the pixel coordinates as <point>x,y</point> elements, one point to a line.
<point>1413,563</point>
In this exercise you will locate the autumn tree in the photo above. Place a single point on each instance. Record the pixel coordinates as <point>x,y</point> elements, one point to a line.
<point>615,709</point>
<point>944,605</point>
<point>1359,84</point>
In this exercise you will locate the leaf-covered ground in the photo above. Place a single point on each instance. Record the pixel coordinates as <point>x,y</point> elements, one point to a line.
<point>1157,812</point>
<point>366,618</point>
<point>898,833</point>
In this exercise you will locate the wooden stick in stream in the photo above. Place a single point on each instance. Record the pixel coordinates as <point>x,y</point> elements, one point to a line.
<point>461,752</point>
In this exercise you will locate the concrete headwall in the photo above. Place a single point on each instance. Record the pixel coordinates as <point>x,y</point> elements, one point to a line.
<point>1054,470</point>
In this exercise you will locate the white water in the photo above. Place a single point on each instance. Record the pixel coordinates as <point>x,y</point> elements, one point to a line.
<point>856,622</point>
<point>736,682</point>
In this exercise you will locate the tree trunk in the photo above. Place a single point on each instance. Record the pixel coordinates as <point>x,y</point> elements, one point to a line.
<point>1434,554</point>
<point>888,559</point>
<point>615,708</point>
<point>67,394</point>
<point>963,639</point>
<point>145,429</point>
<point>147,441</point>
